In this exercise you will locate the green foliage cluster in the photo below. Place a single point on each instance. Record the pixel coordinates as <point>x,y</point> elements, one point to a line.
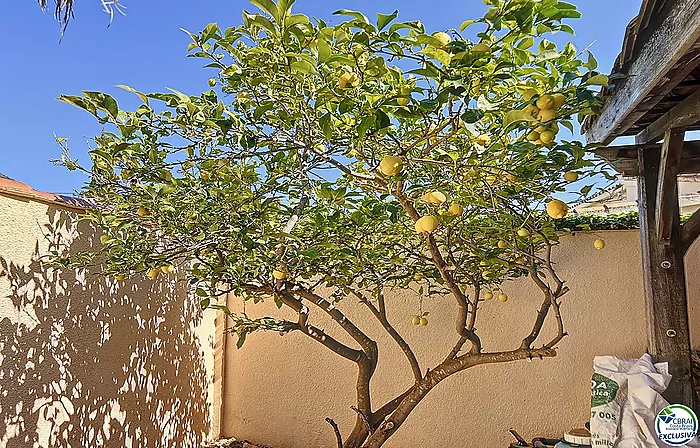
<point>270,179</point>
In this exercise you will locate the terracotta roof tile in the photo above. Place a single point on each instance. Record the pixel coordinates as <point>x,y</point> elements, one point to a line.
<point>14,188</point>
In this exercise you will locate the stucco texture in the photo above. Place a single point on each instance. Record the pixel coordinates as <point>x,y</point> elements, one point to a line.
<point>91,362</point>
<point>278,390</point>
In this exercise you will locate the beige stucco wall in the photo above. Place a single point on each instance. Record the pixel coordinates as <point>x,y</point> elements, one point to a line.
<point>89,362</point>
<point>278,390</point>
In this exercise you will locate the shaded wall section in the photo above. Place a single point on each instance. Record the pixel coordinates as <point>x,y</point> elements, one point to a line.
<point>91,362</point>
<point>278,390</point>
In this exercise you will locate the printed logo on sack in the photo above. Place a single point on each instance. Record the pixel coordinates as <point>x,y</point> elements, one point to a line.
<point>676,425</point>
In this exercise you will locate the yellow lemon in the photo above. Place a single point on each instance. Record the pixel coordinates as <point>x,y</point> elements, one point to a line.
<point>519,260</point>
<point>348,80</point>
<point>211,82</point>
<point>391,166</point>
<point>280,273</point>
<point>533,136</point>
<point>204,175</point>
<point>545,102</point>
<point>559,100</point>
<point>418,276</point>
<point>242,96</point>
<point>483,140</point>
<point>444,38</point>
<point>488,296</point>
<point>557,209</point>
<point>120,277</point>
<point>153,274</point>
<point>523,233</point>
<point>167,269</point>
<point>403,100</point>
<point>599,244</point>
<point>502,297</point>
<point>142,211</point>
<point>415,320</point>
<point>532,110</point>
<point>546,115</point>
<point>502,244</point>
<point>571,176</point>
<point>434,198</point>
<point>547,137</point>
<point>423,321</point>
<point>427,224</point>
<point>455,210</point>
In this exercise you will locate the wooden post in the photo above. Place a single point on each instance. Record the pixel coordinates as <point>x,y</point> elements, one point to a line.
<point>668,335</point>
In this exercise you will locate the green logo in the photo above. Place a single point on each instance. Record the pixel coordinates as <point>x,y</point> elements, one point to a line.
<point>603,390</point>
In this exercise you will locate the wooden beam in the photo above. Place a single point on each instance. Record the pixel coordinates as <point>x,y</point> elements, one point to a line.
<point>690,231</point>
<point>667,188</point>
<point>625,160</point>
<point>675,34</point>
<point>682,115</point>
<point>668,334</point>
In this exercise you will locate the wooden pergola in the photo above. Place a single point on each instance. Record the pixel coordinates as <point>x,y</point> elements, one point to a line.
<point>659,101</point>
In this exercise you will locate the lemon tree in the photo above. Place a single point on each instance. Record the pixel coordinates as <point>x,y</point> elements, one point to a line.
<point>329,163</point>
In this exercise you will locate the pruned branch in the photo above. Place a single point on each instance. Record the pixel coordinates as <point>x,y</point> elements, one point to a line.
<point>336,431</point>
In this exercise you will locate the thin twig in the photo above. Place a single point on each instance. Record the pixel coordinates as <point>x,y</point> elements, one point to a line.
<point>338,437</point>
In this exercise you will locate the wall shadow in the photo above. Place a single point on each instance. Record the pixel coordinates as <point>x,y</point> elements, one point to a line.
<point>91,362</point>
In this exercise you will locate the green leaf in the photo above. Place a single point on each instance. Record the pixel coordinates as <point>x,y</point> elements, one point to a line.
<point>302,67</point>
<point>465,24</point>
<point>356,14</point>
<point>267,6</point>
<point>597,80</point>
<point>284,7</point>
<point>143,97</point>
<point>384,19</point>
<point>205,303</point>
<point>324,51</point>
<point>592,62</point>
<point>517,116</point>
<point>325,123</point>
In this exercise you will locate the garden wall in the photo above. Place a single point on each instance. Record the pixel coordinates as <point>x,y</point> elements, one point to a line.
<point>278,390</point>
<point>87,361</point>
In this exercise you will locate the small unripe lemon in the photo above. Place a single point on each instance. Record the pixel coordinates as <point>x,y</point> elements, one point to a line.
<point>418,276</point>
<point>167,269</point>
<point>519,260</point>
<point>280,273</point>
<point>120,277</point>
<point>545,102</point>
<point>455,210</point>
<point>211,82</point>
<point>204,175</point>
<point>242,96</point>
<point>424,321</point>
<point>403,100</point>
<point>142,211</point>
<point>547,137</point>
<point>348,80</point>
<point>571,176</point>
<point>599,244</point>
<point>391,166</point>
<point>427,224</point>
<point>488,296</point>
<point>557,209</point>
<point>153,273</point>
<point>415,320</point>
<point>533,136</point>
<point>502,297</point>
<point>434,197</point>
<point>523,233</point>
<point>444,38</point>
<point>502,244</point>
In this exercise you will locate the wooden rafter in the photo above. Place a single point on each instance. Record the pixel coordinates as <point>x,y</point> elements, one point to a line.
<point>677,31</point>
<point>684,114</point>
<point>624,157</point>
<point>667,187</point>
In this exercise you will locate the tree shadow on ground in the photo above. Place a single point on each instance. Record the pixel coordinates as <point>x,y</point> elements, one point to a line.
<point>91,362</point>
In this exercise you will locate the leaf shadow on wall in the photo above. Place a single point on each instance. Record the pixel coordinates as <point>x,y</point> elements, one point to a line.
<point>91,362</point>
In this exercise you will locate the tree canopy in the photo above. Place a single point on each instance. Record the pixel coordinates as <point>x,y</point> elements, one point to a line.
<point>351,158</point>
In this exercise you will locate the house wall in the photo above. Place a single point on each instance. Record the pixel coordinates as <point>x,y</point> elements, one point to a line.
<point>90,362</point>
<point>278,390</point>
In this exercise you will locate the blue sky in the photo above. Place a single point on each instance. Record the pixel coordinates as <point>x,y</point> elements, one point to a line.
<point>146,50</point>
